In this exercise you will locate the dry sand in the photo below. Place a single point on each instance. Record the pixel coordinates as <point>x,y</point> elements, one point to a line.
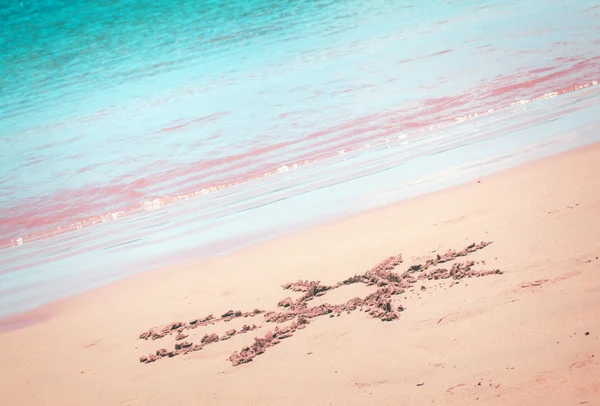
<point>529,335</point>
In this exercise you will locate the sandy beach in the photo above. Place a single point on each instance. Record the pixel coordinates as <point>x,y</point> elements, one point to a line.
<point>518,325</point>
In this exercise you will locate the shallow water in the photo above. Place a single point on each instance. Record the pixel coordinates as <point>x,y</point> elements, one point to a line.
<point>137,133</point>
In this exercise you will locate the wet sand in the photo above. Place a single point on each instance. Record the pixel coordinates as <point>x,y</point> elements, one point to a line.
<point>395,318</point>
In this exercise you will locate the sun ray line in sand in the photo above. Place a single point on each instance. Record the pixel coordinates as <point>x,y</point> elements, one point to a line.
<point>377,304</point>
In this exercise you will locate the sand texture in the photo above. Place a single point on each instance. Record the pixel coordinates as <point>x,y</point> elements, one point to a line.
<point>483,294</point>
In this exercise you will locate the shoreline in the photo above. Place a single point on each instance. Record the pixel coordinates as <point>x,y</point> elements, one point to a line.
<point>528,334</point>
<point>45,312</point>
<point>66,266</point>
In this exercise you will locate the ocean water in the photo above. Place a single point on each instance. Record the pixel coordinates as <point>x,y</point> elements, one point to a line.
<point>139,133</point>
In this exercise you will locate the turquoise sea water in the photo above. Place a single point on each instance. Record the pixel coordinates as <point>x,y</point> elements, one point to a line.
<point>138,133</point>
